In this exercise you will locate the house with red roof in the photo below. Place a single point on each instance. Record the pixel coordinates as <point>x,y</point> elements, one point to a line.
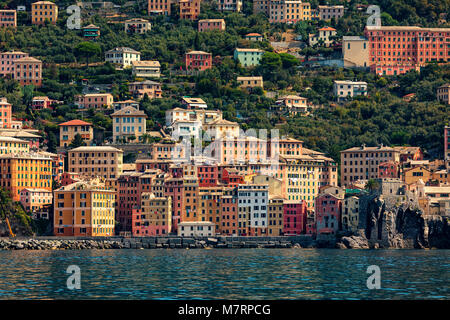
<point>68,130</point>
<point>253,37</point>
<point>324,37</point>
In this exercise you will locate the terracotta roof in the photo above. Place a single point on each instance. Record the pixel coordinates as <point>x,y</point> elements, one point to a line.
<point>76,122</point>
<point>327,29</point>
<point>253,35</point>
<point>129,111</point>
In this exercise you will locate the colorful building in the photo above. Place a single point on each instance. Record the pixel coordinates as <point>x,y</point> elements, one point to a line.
<point>153,217</point>
<point>68,130</point>
<point>28,71</point>
<point>331,12</point>
<point>123,56</point>
<point>288,11</point>
<point>328,211</point>
<point>42,11</point>
<point>13,145</point>
<point>293,104</point>
<point>198,60</point>
<point>91,31</point>
<point>253,37</point>
<point>150,88</point>
<point>5,114</point>
<point>343,89</point>
<point>196,229</point>
<point>350,214</point>
<point>159,7</point>
<point>275,216</point>
<point>355,51</point>
<point>398,49</point>
<point>409,153</point>
<point>137,25</point>
<point>84,208</point>
<point>8,18</point>
<point>248,57</point>
<point>211,24</point>
<point>443,93</point>
<point>7,62</point>
<point>230,5</point>
<point>33,200</point>
<point>25,170</point>
<point>294,217</point>
<point>96,161</point>
<point>189,9</point>
<point>221,128</point>
<point>94,100</point>
<point>129,125</point>
<point>389,169</point>
<point>250,82</point>
<point>325,37</point>
<point>146,69</point>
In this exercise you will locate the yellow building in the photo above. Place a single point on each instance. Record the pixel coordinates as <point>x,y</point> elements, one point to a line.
<point>250,82</point>
<point>25,170</point>
<point>355,51</point>
<point>44,10</point>
<point>68,130</point>
<point>221,128</point>
<point>275,216</point>
<point>84,208</point>
<point>96,161</point>
<point>413,175</point>
<point>13,145</point>
<point>154,217</point>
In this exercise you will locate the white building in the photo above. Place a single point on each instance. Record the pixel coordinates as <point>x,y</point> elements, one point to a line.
<point>194,103</point>
<point>179,114</point>
<point>222,128</point>
<point>349,89</point>
<point>146,69</point>
<point>196,229</point>
<point>187,128</point>
<point>254,197</point>
<point>123,56</point>
<point>137,25</point>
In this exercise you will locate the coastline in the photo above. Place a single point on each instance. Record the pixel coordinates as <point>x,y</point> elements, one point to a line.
<point>103,243</point>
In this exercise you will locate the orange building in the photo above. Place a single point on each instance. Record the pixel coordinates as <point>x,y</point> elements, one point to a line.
<point>25,170</point>
<point>27,71</point>
<point>398,49</point>
<point>84,209</point>
<point>8,18</point>
<point>68,130</point>
<point>159,7</point>
<point>44,10</point>
<point>189,9</point>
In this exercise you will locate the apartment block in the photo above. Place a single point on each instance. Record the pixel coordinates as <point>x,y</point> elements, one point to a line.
<point>68,130</point>
<point>96,161</point>
<point>211,24</point>
<point>248,57</point>
<point>150,88</point>
<point>42,11</point>
<point>119,105</point>
<point>137,25</point>
<point>8,18</point>
<point>198,60</point>
<point>294,217</point>
<point>13,145</point>
<point>447,146</point>
<point>361,163</point>
<point>129,124</point>
<point>203,115</point>
<point>324,37</point>
<point>355,51</point>
<point>189,9</point>
<point>94,100</point>
<point>256,198</point>
<point>122,56</point>
<point>443,93</point>
<point>7,61</point>
<point>291,12</point>
<point>230,5</point>
<point>292,104</point>
<point>159,7</point>
<point>25,170</point>
<point>331,12</point>
<point>5,114</point>
<point>328,212</point>
<point>84,208</point>
<point>28,71</point>
<point>222,128</point>
<point>153,217</point>
<point>343,90</point>
<point>146,69</point>
<point>275,216</point>
<point>250,82</point>
<point>33,199</point>
<point>398,49</point>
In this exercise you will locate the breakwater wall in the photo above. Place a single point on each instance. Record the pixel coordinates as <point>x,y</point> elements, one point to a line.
<point>80,243</point>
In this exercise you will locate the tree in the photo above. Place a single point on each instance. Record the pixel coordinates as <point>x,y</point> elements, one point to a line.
<point>87,50</point>
<point>77,141</point>
<point>372,185</point>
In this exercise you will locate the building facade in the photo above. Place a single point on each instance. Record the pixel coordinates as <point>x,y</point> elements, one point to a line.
<point>146,69</point>
<point>123,56</point>
<point>94,100</point>
<point>68,130</point>
<point>129,124</point>
<point>248,57</point>
<point>198,60</point>
<point>349,89</point>
<point>42,11</point>
<point>28,71</point>
<point>8,18</point>
<point>211,24</point>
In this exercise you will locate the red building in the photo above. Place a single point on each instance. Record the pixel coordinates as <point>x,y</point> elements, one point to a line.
<point>40,103</point>
<point>328,210</point>
<point>390,169</point>
<point>198,60</point>
<point>231,177</point>
<point>294,217</point>
<point>229,214</point>
<point>174,188</point>
<point>398,49</point>
<point>208,176</point>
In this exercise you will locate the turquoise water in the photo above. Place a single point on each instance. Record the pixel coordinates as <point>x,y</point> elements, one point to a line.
<point>225,274</point>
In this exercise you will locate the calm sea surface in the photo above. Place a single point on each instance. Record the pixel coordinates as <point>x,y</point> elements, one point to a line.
<point>225,274</point>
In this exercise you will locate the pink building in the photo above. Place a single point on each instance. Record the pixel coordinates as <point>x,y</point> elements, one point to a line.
<point>34,199</point>
<point>7,60</point>
<point>231,177</point>
<point>294,217</point>
<point>69,178</point>
<point>208,176</point>
<point>211,24</point>
<point>8,18</point>
<point>28,71</point>
<point>328,211</point>
<point>5,114</point>
<point>198,60</point>
<point>173,188</point>
<point>152,217</point>
<point>40,103</point>
<point>390,169</point>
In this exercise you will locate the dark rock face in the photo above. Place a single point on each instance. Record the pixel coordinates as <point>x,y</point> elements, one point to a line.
<point>390,223</point>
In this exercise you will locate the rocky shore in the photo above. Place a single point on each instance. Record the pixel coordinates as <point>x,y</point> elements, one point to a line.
<point>139,243</point>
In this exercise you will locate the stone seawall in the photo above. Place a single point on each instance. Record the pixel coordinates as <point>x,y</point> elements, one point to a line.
<point>80,243</point>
